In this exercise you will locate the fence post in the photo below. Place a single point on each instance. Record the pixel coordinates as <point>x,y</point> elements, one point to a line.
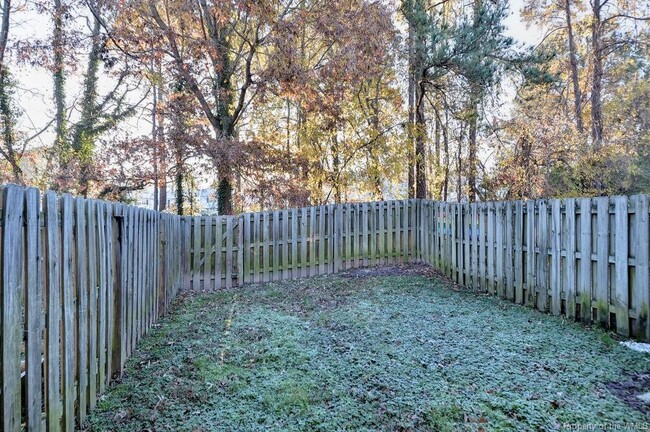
<point>118,350</point>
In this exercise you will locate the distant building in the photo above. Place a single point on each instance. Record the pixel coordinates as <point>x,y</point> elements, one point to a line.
<point>204,200</point>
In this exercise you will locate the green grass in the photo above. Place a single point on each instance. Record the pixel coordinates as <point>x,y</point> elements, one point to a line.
<point>369,353</point>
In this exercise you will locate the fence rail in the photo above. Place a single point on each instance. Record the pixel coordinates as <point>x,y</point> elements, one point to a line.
<point>83,280</point>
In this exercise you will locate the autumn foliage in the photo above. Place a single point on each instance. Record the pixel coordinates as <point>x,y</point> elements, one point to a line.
<point>282,103</point>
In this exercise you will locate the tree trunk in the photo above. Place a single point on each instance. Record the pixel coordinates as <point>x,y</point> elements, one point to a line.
<point>435,171</point>
<point>597,77</point>
<point>161,144</point>
<point>83,141</point>
<point>7,115</point>
<point>378,193</point>
<point>162,201</point>
<point>411,103</point>
<point>61,132</point>
<point>472,157</point>
<point>447,162</point>
<point>417,119</point>
<point>154,140</point>
<point>155,183</point>
<point>472,160</point>
<point>4,30</point>
<point>8,120</point>
<point>180,198</point>
<point>420,153</point>
<point>459,165</point>
<point>288,128</point>
<point>336,169</point>
<point>224,196</point>
<point>577,96</point>
<point>375,166</point>
<point>474,101</point>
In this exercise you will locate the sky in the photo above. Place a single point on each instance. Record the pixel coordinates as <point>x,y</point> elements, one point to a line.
<point>34,95</point>
<point>517,29</point>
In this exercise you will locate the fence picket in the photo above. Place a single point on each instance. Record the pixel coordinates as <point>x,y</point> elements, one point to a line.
<point>570,258</point>
<point>34,313</point>
<point>405,231</point>
<point>266,247</point>
<point>641,283</point>
<point>542,256</point>
<point>67,291</point>
<point>509,252</point>
<point>53,290</point>
<point>285,245</point>
<point>491,233</point>
<point>381,233</point>
<point>256,247</point>
<point>313,259</point>
<point>499,264</point>
<point>246,251</point>
<point>621,300</point>
<point>373,233</point>
<point>518,252</point>
<point>531,240</point>
<point>219,259</point>
<point>556,269</point>
<point>602,258</point>
<point>208,281</point>
<point>464,248</point>
<point>13,199</point>
<point>304,266</point>
<point>294,244</point>
<point>585,259</point>
<point>229,251</point>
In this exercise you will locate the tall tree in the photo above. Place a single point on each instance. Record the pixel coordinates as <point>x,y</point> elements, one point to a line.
<point>59,46</point>
<point>419,23</point>
<point>573,61</point>
<point>9,149</point>
<point>213,46</point>
<point>597,74</point>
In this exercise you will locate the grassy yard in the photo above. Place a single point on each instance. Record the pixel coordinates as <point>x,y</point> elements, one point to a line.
<point>381,349</point>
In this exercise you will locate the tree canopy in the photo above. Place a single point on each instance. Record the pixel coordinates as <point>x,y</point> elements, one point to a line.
<point>276,103</point>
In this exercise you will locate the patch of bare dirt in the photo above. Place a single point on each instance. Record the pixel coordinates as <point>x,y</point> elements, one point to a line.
<point>629,391</point>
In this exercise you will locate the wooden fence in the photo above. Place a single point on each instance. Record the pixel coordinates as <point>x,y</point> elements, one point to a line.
<point>583,258</point>
<point>287,244</point>
<point>82,281</point>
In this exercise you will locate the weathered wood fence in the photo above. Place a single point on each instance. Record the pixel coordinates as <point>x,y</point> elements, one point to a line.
<point>583,258</point>
<point>230,251</point>
<point>82,281</point>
